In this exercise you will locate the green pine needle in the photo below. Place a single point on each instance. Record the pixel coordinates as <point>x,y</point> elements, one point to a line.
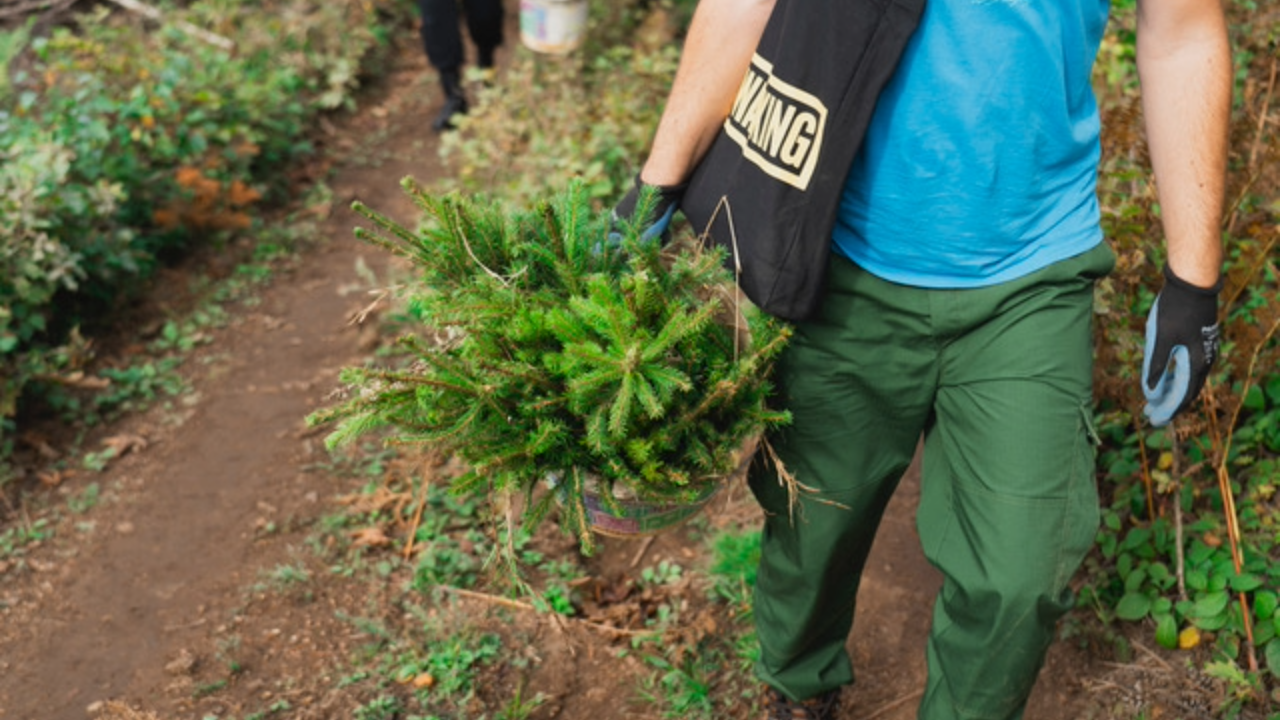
<point>608,366</point>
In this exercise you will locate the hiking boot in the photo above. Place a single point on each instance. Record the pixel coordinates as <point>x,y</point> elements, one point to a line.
<point>822,707</point>
<point>455,102</point>
<point>453,106</point>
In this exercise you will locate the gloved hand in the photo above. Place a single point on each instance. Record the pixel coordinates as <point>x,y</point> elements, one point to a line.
<point>1183,328</point>
<point>656,225</point>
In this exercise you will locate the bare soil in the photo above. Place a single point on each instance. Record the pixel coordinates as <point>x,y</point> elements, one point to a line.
<point>136,608</point>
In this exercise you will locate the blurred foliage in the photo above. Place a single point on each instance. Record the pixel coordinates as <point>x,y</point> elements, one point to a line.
<point>124,141</point>
<point>589,115</point>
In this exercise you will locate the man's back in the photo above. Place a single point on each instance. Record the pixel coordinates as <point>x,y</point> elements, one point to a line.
<point>980,164</point>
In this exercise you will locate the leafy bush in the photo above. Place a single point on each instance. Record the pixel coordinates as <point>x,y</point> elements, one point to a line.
<point>121,144</point>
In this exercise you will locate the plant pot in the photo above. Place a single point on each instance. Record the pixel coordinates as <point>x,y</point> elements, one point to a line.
<point>632,518</point>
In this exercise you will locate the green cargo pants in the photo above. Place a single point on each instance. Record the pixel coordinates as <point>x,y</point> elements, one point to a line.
<point>998,381</point>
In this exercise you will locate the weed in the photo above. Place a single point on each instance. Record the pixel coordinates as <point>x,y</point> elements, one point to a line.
<point>735,559</point>
<point>385,707</point>
<point>283,576</point>
<point>680,690</point>
<point>518,708</point>
<point>208,688</point>
<point>14,540</point>
<point>85,500</point>
<point>98,461</point>
<point>450,659</point>
<point>664,573</point>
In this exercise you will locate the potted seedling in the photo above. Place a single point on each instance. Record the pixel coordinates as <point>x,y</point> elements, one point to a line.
<point>607,382</point>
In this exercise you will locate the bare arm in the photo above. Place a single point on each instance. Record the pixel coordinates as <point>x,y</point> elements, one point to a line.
<point>722,37</point>
<point>1184,64</point>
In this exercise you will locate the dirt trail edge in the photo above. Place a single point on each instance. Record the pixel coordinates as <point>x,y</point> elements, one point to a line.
<point>185,534</point>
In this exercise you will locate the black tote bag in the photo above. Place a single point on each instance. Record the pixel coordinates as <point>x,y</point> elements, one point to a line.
<point>769,187</point>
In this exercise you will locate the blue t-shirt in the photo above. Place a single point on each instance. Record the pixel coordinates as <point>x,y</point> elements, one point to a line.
<point>979,165</point>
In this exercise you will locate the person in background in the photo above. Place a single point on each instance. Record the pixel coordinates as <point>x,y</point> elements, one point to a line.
<point>958,309</point>
<point>442,40</point>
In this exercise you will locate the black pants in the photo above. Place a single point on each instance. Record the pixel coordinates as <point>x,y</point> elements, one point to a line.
<point>442,36</point>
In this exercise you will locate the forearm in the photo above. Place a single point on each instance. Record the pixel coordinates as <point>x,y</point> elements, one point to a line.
<point>1184,64</point>
<point>722,38</point>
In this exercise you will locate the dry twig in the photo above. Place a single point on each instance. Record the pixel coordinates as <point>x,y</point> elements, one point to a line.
<point>154,13</point>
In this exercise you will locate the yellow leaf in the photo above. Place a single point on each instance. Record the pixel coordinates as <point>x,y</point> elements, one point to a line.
<point>1166,460</point>
<point>1188,638</point>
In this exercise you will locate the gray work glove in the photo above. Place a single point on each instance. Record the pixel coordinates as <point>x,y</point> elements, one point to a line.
<point>1181,344</point>
<point>655,225</point>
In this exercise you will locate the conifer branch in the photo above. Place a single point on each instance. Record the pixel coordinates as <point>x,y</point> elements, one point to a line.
<point>614,367</point>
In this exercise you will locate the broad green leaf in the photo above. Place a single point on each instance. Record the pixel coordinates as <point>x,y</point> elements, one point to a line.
<point>1159,572</point>
<point>1246,582</point>
<point>1124,566</point>
<point>1133,606</point>
<point>1273,657</point>
<point>1197,580</point>
<point>1255,399</point>
<point>1264,604</point>
<point>1212,624</point>
<point>1133,583</point>
<point>1211,605</point>
<point>1167,631</point>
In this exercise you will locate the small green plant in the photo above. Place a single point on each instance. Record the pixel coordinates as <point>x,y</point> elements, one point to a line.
<point>14,540</point>
<point>664,573</point>
<point>286,575</point>
<point>85,500</point>
<point>683,689</point>
<point>735,560</point>
<point>444,666</point>
<point>519,708</point>
<point>385,707</point>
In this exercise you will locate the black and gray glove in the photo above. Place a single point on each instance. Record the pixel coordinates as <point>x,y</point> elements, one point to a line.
<point>1181,345</point>
<point>656,225</point>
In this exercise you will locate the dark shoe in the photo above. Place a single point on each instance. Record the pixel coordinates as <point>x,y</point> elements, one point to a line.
<point>455,102</point>
<point>822,707</point>
<point>453,105</point>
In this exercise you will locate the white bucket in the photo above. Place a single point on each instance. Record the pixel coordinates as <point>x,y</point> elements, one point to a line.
<point>552,26</point>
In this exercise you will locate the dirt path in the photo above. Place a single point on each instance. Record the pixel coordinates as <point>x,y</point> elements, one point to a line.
<point>140,605</point>
<point>186,534</point>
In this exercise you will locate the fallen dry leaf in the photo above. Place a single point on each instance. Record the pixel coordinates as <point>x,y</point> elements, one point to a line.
<point>370,537</point>
<point>39,444</point>
<point>1188,638</point>
<point>380,499</point>
<point>183,664</point>
<point>112,710</point>
<point>122,444</point>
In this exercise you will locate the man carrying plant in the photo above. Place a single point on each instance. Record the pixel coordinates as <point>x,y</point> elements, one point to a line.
<point>957,308</point>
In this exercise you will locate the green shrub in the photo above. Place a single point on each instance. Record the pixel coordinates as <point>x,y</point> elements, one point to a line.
<point>122,144</point>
